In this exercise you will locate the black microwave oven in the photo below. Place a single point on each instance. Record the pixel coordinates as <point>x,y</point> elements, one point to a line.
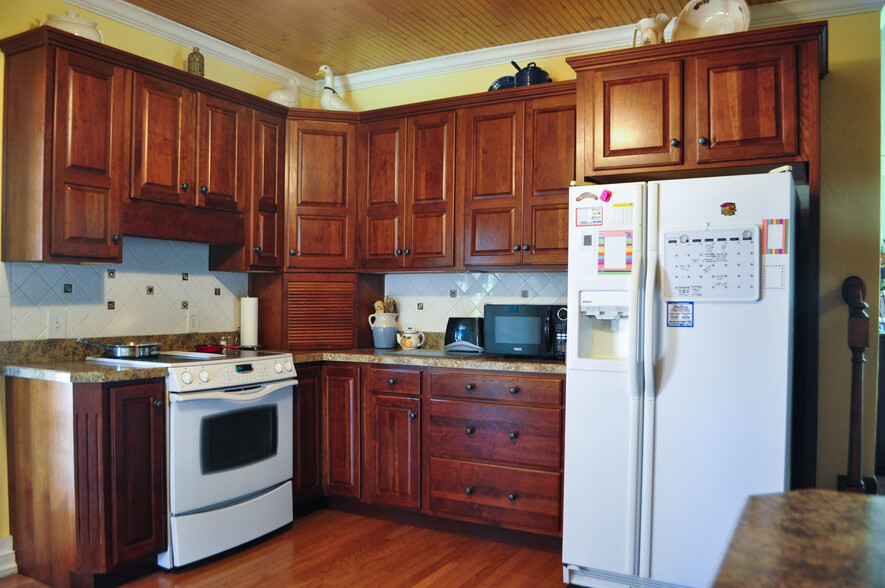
<point>527,330</point>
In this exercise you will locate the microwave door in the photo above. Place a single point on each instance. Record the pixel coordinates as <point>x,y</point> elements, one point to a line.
<point>548,333</point>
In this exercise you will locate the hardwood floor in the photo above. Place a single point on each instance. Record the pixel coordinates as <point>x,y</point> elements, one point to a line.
<point>334,548</point>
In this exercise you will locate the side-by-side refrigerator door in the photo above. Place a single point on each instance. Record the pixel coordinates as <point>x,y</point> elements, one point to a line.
<point>603,378</point>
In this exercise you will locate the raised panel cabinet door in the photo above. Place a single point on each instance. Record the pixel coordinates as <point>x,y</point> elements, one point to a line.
<point>341,430</point>
<point>490,164</point>
<point>430,189</point>
<point>138,470</point>
<point>549,168</point>
<point>393,450</point>
<point>382,194</point>
<point>747,104</point>
<point>321,195</point>
<point>265,229</point>
<point>637,115</point>
<point>223,153</point>
<point>163,141</point>
<point>90,158</point>
<point>307,483</point>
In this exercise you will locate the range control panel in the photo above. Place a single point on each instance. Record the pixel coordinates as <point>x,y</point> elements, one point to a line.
<point>229,373</point>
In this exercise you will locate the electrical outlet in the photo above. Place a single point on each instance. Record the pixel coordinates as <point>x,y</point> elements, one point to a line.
<point>525,293</point>
<point>56,324</point>
<point>193,321</point>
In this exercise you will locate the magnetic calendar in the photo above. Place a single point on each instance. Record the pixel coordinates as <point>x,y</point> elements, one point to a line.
<point>712,264</point>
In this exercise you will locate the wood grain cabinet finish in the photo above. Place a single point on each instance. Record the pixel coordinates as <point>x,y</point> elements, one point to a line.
<point>495,449</point>
<point>66,162</point>
<point>341,430</point>
<point>392,437</point>
<point>725,101</point>
<point>87,467</point>
<point>515,162</point>
<point>407,192</point>
<point>321,194</point>
<point>307,480</point>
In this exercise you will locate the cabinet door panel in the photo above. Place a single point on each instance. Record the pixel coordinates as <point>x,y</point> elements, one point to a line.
<point>163,147</point>
<point>637,112</point>
<point>91,158</point>
<point>307,483</point>
<point>267,191</point>
<point>382,193</point>
<point>491,161</point>
<point>393,450</point>
<point>223,144</point>
<point>746,104</point>
<point>341,431</point>
<point>138,462</point>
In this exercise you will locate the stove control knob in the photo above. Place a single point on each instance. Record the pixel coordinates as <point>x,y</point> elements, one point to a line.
<point>187,378</point>
<point>288,366</point>
<point>204,376</point>
<point>278,367</point>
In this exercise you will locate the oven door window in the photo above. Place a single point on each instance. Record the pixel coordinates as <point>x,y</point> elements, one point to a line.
<point>237,438</point>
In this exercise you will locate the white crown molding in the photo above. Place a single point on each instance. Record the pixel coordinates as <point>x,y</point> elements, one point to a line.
<point>763,15</point>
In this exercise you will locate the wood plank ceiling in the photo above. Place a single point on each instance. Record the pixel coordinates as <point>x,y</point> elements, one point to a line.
<point>357,35</point>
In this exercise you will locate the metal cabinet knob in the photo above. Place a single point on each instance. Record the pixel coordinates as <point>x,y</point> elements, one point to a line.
<point>470,430</point>
<point>704,141</point>
<point>115,239</point>
<point>413,415</point>
<point>158,403</point>
<point>391,381</point>
<point>256,249</point>
<point>512,496</point>
<point>525,247</point>
<point>469,387</point>
<point>513,434</point>
<point>398,252</point>
<point>674,142</point>
<point>185,187</point>
<point>408,251</point>
<point>516,247</point>
<point>292,252</point>
<point>204,190</point>
<point>468,490</point>
<point>513,390</point>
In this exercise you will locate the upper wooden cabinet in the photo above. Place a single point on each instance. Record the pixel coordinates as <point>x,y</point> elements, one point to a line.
<point>515,162</point>
<point>406,200</point>
<point>718,101</point>
<point>321,194</point>
<point>66,157</point>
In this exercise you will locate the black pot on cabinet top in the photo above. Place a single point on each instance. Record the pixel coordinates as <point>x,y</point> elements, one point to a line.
<point>530,74</point>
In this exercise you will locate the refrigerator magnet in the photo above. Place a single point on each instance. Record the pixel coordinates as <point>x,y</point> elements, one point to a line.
<point>590,216</point>
<point>680,314</point>
<point>774,235</point>
<point>615,252</point>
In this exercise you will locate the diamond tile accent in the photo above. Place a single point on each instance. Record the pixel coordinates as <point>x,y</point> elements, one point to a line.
<point>28,291</point>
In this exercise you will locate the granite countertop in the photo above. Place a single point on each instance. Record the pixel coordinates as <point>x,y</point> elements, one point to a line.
<point>81,371</point>
<point>812,538</point>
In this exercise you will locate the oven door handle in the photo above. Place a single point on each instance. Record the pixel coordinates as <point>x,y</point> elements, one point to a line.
<point>237,396</point>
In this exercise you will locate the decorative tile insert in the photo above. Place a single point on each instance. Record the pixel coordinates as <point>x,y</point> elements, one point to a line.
<point>147,290</point>
<point>472,291</point>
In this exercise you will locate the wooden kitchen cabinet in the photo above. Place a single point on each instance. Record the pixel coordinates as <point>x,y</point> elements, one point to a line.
<point>87,467</point>
<point>692,105</point>
<point>341,430</point>
<point>307,479</point>
<point>515,162</point>
<point>495,449</point>
<point>65,124</point>
<point>321,194</point>
<point>392,437</point>
<point>407,192</point>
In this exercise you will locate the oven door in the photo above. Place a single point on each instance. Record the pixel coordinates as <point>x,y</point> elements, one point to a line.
<point>227,445</point>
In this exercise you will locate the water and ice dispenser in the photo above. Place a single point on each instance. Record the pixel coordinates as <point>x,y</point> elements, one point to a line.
<point>602,324</point>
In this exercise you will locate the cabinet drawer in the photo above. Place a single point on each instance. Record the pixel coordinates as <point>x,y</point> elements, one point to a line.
<point>393,380</point>
<point>498,495</point>
<point>518,435</point>
<point>504,388</point>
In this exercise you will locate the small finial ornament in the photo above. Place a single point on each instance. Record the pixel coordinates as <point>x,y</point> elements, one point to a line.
<point>195,63</point>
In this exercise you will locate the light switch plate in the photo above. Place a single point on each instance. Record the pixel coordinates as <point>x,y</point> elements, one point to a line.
<point>56,324</point>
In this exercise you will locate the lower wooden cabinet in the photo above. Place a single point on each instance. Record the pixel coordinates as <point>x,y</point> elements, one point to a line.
<point>87,465</point>
<point>341,430</point>
<point>307,481</point>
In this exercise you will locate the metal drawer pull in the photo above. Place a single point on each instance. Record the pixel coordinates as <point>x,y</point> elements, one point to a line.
<point>470,430</point>
<point>413,415</point>
<point>513,434</point>
<point>158,403</point>
<point>391,381</point>
<point>469,387</point>
<point>468,490</point>
<point>512,496</point>
<point>514,390</point>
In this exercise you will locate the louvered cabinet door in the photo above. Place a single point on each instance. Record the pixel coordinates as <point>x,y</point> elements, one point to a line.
<point>321,311</point>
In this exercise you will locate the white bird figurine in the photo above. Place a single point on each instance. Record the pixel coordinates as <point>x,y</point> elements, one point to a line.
<point>329,99</point>
<point>289,95</point>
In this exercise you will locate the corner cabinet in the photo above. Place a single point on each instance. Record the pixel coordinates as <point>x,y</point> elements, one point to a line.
<point>691,105</point>
<point>67,158</point>
<point>87,466</point>
<point>515,162</point>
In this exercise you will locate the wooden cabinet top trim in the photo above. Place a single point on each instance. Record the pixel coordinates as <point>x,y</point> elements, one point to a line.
<point>815,31</point>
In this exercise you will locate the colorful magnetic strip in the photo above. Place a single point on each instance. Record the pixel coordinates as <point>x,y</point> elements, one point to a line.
<point>628,236</point>
<point>780,244</point>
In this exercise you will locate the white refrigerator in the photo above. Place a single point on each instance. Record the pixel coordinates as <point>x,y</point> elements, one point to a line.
<point>678,372</point>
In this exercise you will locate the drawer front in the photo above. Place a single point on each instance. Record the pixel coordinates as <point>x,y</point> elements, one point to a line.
<point>517,498</point>
<point>394,380</point>
<point>521,435</point>
<point>504,388</point>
